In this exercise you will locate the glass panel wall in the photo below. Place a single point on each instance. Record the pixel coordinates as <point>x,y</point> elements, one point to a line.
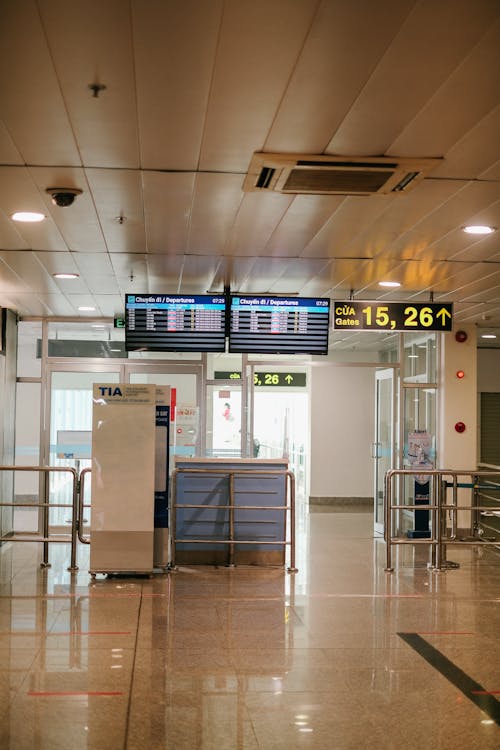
<point>70,412</point>
<point>419,425</point>
<point>27,453</point>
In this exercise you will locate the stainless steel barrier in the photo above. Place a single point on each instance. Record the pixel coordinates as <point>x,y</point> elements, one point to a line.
<point>45,505</point>
<point>443,514</point>
<point>288,508</point>
<point>82,506</point>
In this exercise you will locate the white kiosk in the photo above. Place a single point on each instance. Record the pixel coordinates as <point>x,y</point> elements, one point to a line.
<point>123,478</point>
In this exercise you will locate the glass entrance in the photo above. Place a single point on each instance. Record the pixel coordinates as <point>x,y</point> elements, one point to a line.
<point>70,394</point>
<point>187,437</point>
<point>383,451</point>
<point>281,430</point>
<point>224,414</point>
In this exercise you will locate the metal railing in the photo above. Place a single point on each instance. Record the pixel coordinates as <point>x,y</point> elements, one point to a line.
<point>443,513</point>
<point>45,505</point>
<point>288,508</point>
<point>82,505</point>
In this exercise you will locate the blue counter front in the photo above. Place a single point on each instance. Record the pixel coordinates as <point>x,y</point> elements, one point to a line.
<point>257,518</point>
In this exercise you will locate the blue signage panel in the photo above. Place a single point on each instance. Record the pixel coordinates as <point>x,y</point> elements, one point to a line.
<point>162,445</point>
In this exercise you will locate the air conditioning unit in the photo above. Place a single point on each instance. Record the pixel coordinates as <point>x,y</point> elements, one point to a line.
<point>334,175</point>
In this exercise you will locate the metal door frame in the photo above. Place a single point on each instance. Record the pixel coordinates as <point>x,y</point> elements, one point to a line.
<point>385,373</point>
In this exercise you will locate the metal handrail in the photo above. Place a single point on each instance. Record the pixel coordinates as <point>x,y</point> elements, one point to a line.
<point>45,504</point>
<point>231,507</point>
<point>438,538</point>
<point>81,506</point>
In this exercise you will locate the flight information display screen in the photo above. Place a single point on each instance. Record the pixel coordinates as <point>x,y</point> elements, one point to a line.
<point>175,322</point>
<point>279,325</point>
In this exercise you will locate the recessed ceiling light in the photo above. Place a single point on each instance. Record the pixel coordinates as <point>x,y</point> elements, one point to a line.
<point>28,216</point>
<point>488,336</point>
<point>65,275</point>
<point>84,308</point>
<point>479,229</point>
<point>389,283</point>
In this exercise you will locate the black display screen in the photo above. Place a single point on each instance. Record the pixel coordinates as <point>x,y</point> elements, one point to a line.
<point>279,325</point>
<point>175,322</point>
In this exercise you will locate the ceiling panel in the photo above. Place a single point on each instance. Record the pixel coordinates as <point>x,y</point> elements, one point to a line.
<point>353,216</point>
<point>58,262</point>
<point>118,199</point>
<point>401,215</point>
<point>256,55</point>
<point>57,304</point>
<point>131,271</point>
<point>32,106</point>
<point>164,274</point>
<point>10,281</point>
<point>167,209</point>
<point>77,223</point>
<point>256,220</point>
<point>305,217</point>
<point>477,151</point>
<point>198,272</point>
<point>192,90</point>
<point>264,273</point>
<point>216,201</point>
<point>330,71</point>
<point>443,120</point>
<point>8,152</point>
<point>28,268</point>
<point>90,43</point>
<point>172,107</point>
<point>408,76</point>
<point>110,304</point>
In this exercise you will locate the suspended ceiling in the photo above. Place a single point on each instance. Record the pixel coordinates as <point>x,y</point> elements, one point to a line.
<point>188,91</point>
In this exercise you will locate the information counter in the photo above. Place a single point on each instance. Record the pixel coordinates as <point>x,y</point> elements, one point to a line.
<point>230,511</point>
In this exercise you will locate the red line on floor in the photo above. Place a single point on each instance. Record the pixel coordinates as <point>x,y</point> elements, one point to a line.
<point>369,596</point>
<point>71,693</point>
<point>28,633</point>
<point>90,632</point>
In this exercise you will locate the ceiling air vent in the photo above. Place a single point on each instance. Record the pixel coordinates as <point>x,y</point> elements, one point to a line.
<point>331,175</point>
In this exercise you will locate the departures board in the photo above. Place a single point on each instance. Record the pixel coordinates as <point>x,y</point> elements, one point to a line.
<point>279,325</point>
<point>175,323</point>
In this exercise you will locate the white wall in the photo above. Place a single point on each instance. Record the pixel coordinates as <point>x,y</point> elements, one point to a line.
<point>342,430</point>
<point>458,402</point>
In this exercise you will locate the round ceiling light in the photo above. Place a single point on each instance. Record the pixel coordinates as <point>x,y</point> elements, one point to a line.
<point>29,217</point>
<point>479,229</point>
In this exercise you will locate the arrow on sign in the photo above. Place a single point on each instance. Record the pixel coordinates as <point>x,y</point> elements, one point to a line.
<point>289,378</point>
<point>443,313</point>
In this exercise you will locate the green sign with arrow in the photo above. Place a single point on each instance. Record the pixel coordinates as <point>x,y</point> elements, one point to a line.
<point>283,379</point>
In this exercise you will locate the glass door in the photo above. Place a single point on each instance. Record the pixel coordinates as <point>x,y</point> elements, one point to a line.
<point>280,423</point>
<point>69,432</point>
<point>383,450</point>
<point>224,415</point>
<point>187,437</point>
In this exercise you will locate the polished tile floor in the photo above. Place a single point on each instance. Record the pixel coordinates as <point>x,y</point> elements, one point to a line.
<point>339,655</point>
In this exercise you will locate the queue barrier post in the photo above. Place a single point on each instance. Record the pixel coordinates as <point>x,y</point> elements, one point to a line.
<point>442,509</point>
<point>45,505</point>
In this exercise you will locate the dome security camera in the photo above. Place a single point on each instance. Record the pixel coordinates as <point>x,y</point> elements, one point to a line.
<point>63,196</point>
